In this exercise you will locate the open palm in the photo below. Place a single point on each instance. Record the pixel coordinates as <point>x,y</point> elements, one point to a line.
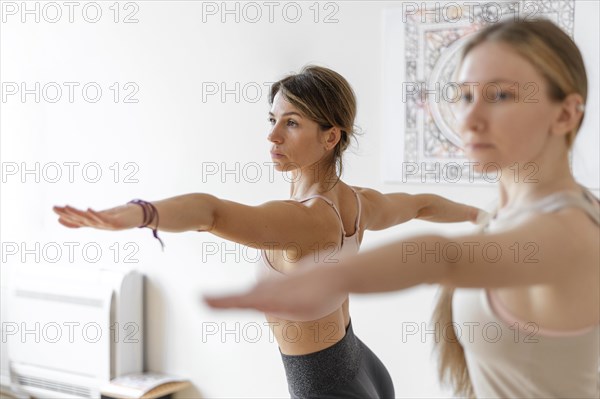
<point>118,218</point>
<point>301,296</point>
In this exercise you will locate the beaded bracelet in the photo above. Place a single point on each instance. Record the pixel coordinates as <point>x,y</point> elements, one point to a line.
<point>149,213</point>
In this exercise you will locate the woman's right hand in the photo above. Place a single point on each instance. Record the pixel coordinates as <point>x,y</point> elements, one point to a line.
<point>118,218</point>
<point>304,295</point>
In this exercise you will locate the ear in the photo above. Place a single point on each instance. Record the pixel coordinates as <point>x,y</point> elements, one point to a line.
<point>331,137</point>
<point>569,115</point>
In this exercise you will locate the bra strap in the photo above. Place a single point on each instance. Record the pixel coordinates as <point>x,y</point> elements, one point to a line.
<point>331,204</point>
<point>358,204</point>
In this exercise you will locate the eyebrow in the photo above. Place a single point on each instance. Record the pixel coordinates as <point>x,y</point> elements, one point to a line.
<point>502,80</point>
<point>287,113</point>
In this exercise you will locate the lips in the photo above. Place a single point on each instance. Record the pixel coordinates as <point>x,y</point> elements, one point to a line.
<point>479,146</point>
<point>276,155</point>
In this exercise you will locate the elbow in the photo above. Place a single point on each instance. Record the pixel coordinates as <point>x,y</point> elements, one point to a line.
<point>425,209</point>
<point>205,211</point>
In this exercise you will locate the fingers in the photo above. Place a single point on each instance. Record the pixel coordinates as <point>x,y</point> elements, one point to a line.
<point>71,214</point>
<point>68,224</point>
<point>67,219</point>
<point>83,216</point>
<point>225,302</point>
<point>73,217</point>
<point>234,302</point>
<point>266,303</point>
<point>59,210</point>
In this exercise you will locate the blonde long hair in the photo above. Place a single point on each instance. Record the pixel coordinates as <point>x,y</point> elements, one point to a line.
<point>554,54</point>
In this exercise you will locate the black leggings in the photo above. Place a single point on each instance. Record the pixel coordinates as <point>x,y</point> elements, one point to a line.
<point>348,369</point>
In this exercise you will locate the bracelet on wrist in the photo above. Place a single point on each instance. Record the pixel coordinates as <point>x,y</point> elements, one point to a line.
<point>150,212</point>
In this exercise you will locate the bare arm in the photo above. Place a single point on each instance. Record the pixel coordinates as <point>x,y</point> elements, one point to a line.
<point>536,252</point>
<point>264,226</point>
<point>386,210</point>
<point>547,250</point>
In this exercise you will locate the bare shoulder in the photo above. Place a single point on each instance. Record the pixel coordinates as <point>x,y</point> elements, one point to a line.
<point>569,231</point>
<point>580,231</point>
<point>324,221</point>
<point>368,197</point>
<point>577,244</point>
<point>366,193</point>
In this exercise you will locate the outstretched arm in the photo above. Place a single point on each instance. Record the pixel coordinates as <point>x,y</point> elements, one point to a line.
<point>535,253</point>
<point>182,213</point>
<point>386,210</point>
<point>271,225</point>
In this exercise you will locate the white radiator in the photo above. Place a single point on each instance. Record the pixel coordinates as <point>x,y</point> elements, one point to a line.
<point>70,331</point>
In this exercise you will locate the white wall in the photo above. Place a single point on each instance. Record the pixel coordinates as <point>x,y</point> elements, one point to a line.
<point>171,134</point>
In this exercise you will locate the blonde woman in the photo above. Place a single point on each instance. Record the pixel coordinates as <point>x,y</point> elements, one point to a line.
<point>524,89</point>
<point>312,123</point>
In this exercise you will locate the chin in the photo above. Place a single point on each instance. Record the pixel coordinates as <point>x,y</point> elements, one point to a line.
<point>280,166</point>
<point>483,162</point>
<point>494,168</point>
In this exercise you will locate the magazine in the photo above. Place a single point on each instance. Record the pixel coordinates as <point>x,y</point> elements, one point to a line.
<point>143,386</point>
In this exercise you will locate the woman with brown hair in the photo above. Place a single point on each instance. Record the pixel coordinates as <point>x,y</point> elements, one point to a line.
<point>533,273</point>
<point>312,123</point>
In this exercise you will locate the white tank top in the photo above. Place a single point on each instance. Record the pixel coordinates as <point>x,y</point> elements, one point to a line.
<point>510,358</point>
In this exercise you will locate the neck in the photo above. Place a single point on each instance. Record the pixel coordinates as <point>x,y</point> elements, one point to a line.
<point>312,179</point>
<point>524,183</point>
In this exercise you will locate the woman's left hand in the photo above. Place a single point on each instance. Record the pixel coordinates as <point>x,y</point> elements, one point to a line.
<point>117,218</point>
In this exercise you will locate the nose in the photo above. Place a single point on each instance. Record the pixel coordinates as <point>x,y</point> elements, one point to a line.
<point>472,116</point>
<point>275,135</point>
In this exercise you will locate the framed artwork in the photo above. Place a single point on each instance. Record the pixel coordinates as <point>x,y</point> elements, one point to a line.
<point>421,52</point>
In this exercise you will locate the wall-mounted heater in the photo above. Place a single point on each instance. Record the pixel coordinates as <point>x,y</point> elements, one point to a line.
<point>69,331</point>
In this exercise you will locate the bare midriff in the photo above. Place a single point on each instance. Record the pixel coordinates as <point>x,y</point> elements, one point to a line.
<point>304,337</point>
